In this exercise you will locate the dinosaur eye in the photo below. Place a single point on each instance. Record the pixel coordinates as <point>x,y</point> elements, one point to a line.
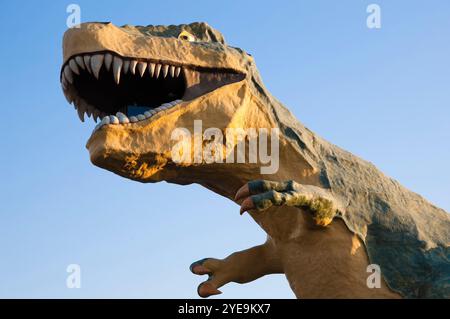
<point>186,36</point>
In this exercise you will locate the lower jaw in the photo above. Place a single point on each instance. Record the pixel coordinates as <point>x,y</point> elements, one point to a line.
<point>123,119</point>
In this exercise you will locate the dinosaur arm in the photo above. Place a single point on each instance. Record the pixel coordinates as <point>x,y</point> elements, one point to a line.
<point>263,194</point>
<point>241,267</point>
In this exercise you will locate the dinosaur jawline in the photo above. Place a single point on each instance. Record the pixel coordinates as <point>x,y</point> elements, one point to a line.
<point>104,84</point>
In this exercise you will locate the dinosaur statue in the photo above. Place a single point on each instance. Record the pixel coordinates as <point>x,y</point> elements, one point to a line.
<point>328,214</point>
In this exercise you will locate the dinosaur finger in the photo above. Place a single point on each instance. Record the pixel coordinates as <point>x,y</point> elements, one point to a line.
<point>247,205</point>
<point>243,192</point>
<point>261,186</point>
<point>200,270</point>
<point>257,187</point>
<point>206,289</point>
<point>198,267</point>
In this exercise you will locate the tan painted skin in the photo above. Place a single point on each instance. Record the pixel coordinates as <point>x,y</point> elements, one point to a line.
<point>319,262</point>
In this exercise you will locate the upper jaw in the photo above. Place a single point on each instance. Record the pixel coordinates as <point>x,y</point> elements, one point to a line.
<point>100,37</point>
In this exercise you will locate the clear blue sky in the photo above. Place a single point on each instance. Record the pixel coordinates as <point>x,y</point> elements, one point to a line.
<point>382,94</point>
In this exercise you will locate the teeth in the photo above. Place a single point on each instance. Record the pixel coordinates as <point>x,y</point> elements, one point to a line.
<point>126,66</point>
<point>74,66</point>
<point>96,115</point>
<point>96,64</point>
<point>108,61</point>
<point>105,120</point>
<point>141,67</point>
<point>87,62</point>
<point>88,110</point>
<point>157,70</point>
<point>123,119</point>
<point>117,66</point>
<point>147,114</point>
<point>80,62</point>
<point>133,64</point>
<point>93,65</point>
<point>151,68</point>
<point>165,70</point>
<point>113,119</point>
<point>68,74</point>
<point>63,81</point>
<point>80,115</point>
<point>80,110</point>
<point>68,97</point>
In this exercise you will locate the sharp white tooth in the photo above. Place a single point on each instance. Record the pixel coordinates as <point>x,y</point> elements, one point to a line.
<point>108,61</point>
<point>151,68</point>
<point>95,115</point>
<point>80,113</point>
<point>141,67</point>
<point>126,66</point>
<point>157,70</point>
<point>91,110</point>
<point>113,119</point>
<point>123,119</point>
<point>172,71</point>
<point>117,67</point>
<point>147,114</point>
<point>177,71</point>
<point>158,109</point>
<point>87,63</point>
<point>63,82</point>
<point>105,120</point>
<point>165,106</point>
<point>141,117</point>
<point>80,62</point>
<point>68,74</point>
<point>165,70</point>
<point>74,66</point>
<point>96,64</point>
<point>133,119</point>
<point>68,97</point>
<point>173,103</point>
<point>88,110</point>
<point>153,112</point>
<point>133,64</point>
<point>178,101</point>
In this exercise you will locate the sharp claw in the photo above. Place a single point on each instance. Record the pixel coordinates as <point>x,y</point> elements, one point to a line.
<point>243,192</point>
<point>247,205</point>
<point>207,289</point>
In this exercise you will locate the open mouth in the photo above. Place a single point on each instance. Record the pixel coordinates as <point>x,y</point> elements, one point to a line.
<point>121,90</point>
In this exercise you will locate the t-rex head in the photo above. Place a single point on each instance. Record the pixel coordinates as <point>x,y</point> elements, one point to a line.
<point>145,82</point>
